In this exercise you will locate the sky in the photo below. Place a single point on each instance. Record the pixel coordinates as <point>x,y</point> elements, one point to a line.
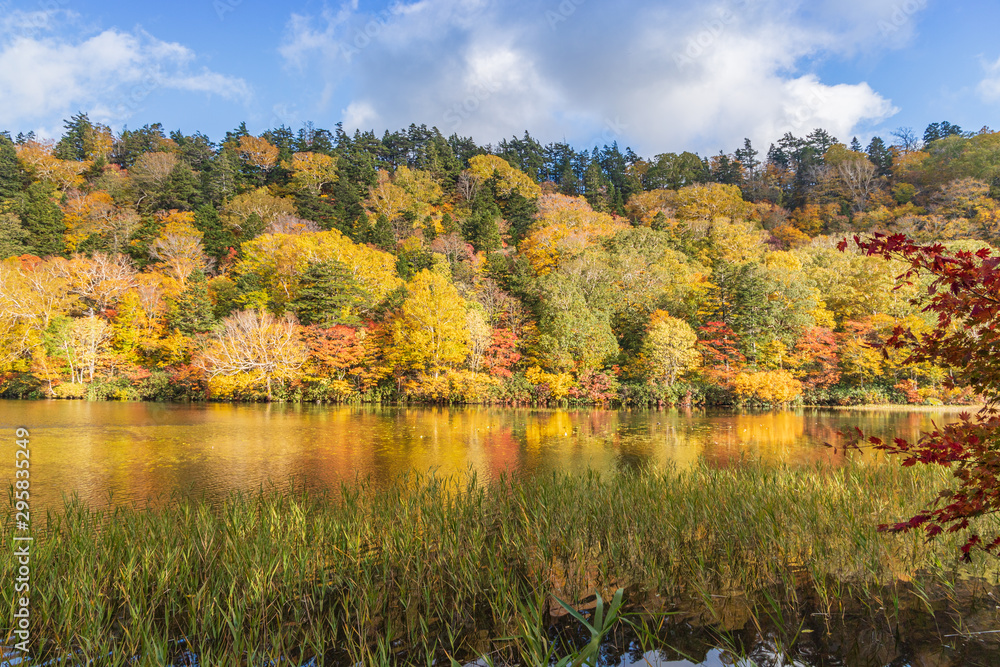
<point>654,76</point>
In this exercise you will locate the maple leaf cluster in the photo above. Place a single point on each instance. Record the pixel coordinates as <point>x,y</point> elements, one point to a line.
<point>965,296</point>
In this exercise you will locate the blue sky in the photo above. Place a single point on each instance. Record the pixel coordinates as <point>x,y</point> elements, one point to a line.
<point>656,76</point>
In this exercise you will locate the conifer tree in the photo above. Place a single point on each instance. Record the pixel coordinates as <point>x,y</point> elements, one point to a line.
<point>328,295</point>
<point>42,219</point>
<point>191,311</point>
<point>11,175</point>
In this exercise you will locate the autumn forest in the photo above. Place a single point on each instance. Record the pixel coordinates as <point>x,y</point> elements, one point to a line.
<point>316,265</point>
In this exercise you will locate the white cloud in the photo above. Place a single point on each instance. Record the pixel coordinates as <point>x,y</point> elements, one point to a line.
<point>110,74</point>
<point>666,77</point>
<point>989,87</point>
<point>360,114</point>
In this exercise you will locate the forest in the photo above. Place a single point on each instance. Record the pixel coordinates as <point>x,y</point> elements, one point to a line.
<point>313,265</point>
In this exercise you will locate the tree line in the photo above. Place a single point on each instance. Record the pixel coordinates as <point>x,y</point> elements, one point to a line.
<point>322,266</point>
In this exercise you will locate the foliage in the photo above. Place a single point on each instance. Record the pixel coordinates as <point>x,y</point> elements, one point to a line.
<point>566,227</point>
<point>670,347</point>
<point>430,331</point>
<point>963,297</point>
<point>767,387</point>
<point>568,261</point>
<point>508,180</point>
<point>254,347</point>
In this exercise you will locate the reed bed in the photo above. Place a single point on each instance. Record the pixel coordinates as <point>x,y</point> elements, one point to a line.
<point>435,568</point>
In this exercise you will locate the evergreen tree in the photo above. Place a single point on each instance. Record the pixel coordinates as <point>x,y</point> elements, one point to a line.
<point>382,234</point>
<point>594,186</point>
<point>412,259</point>
<point>448,224</point>
<point>747,157</point>
<point>310,206</point>
<point>182,190</point>
<point>191,311</point>
<point>430,230</point>
<point>73,144</point>
<point>569,183</point>
<point>12,178</point>
<point>217,239</point>
<point>221,178</point>
<point>361,231</point>
<point>13,238</point>
<point>42,219</point>
<point>328,295</point>
<point>519,212</point>
<point>615,203</point>
<point>940,130</point>
<point>482,229</point>
<point>855,145</point>
<point>880,156</point>
<point>131,144</point>
<point>347,206</point>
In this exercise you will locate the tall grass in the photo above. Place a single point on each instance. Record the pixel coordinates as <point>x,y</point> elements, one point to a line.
<point>439,568</point>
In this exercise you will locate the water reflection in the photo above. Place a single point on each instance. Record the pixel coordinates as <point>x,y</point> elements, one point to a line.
<point>140,450</point>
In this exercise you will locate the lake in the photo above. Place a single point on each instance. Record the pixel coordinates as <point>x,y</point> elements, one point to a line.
<point>140,451</point>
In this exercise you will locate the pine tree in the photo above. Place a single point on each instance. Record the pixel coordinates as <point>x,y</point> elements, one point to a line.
<point>880,156</point>
<point>482,229</point>
<point>594,186</point>
<point>855,145</point>
<point>73,144</point>
<point>191,311</point>
<point>11,175</point>
<point>217,239</point>
<point>382,235</point>
<point>42,219</point>
<point>569,183</point>
<point>520,213</point>
<point>328,295</point>
<point>310,206</point>
<point>347,207</point>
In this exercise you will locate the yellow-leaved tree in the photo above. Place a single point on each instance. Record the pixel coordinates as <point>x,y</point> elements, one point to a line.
<point>710,201</point>
<point>256,347</point>
<point>312,171</point>
<point>258,152</point>
<point>430,332</point>
<point>249,213</point>
<point>32,295</point>
<point>566,226</point>
<point>42,165</point>
<point>277,263</point>
<point>178,247</point>
<point>670,347</point>
<point>508,179</point>
<point>769,387</point>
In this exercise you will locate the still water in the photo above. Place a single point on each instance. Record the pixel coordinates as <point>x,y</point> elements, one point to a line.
<point>141,451</point>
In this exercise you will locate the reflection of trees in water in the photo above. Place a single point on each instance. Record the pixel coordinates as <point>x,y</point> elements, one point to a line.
<point>139,450</point>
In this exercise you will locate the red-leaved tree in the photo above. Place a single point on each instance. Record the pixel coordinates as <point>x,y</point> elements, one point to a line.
<point>965,296</point>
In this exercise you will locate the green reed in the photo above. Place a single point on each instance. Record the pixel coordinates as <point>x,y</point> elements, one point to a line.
<point>440,568</point>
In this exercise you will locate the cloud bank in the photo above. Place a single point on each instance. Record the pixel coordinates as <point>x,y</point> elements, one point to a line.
<point>658,77</point>
<point>46,71</point>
